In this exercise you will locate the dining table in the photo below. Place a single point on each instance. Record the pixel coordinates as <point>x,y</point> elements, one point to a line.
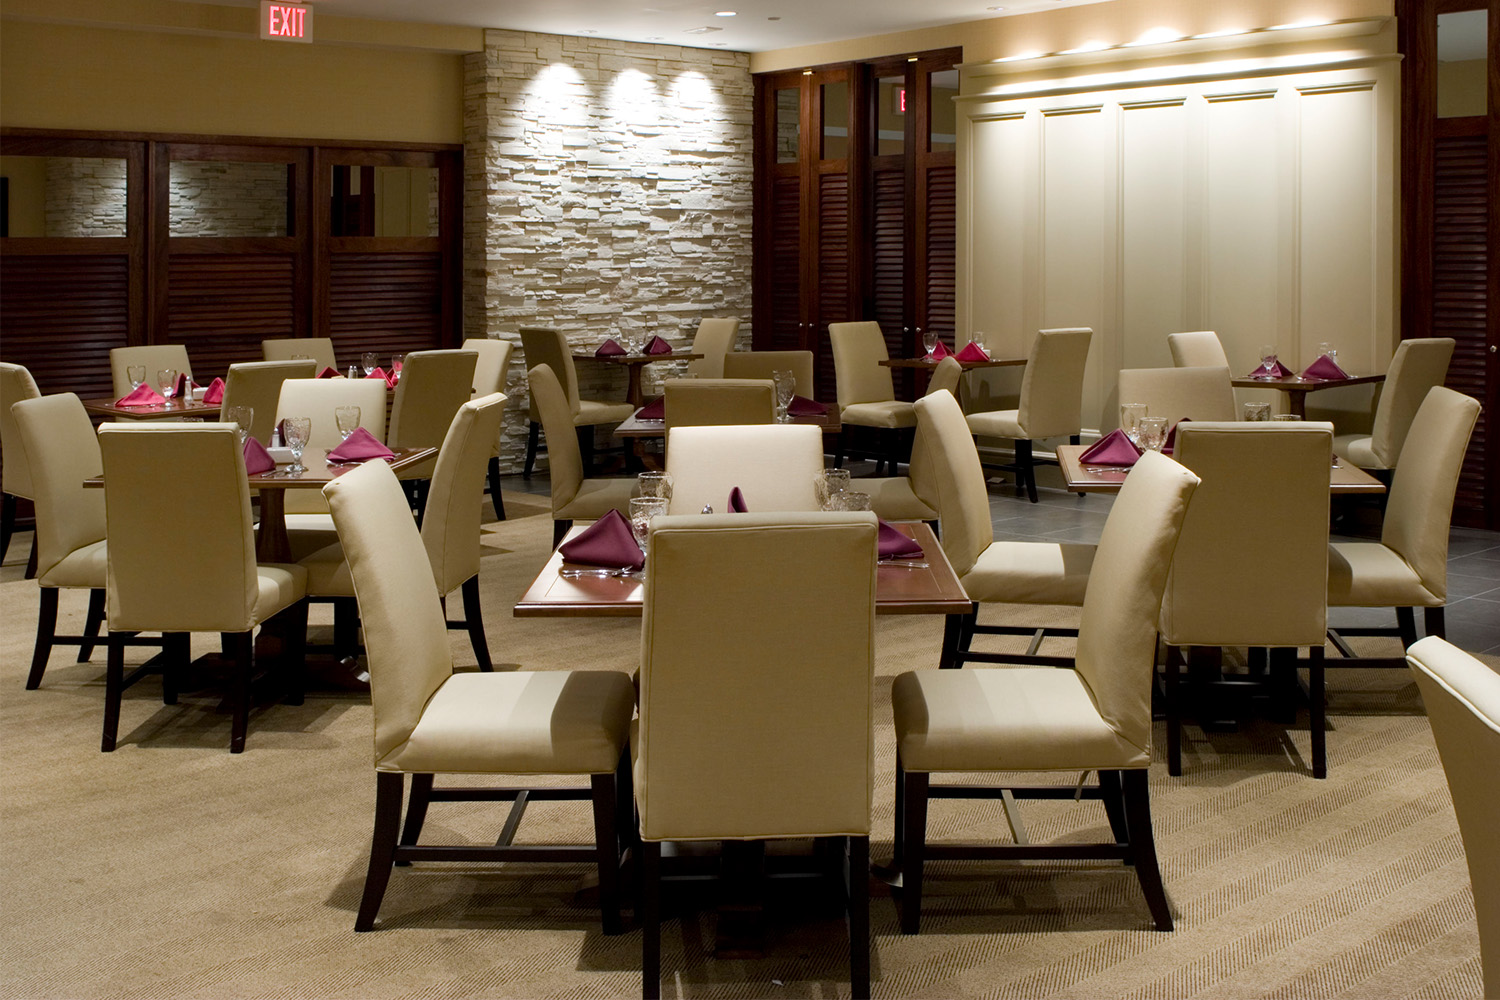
<point>633,363</point>
<point>1344,479</point>
<point>925,366</point>
<point>1297,388</point>
<point>176,409</point>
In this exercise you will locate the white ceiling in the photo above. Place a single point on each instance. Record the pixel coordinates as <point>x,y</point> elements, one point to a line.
<point>759,25</point>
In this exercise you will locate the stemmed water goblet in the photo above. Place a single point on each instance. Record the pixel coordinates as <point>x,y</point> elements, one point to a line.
<point>828,484</point>
<point>642,510</point>
<point>1267,361</point>
<point>347,419</point>
<point>1131,415</point>
<point>369,361</point>
<point>786,388</point>
<point>137,376</point>
<point>1153,431</point>
<point>929,341</point>
<point>397,361</point>
<point>295,432</point>
<point>241,417</point>
<point>166,381</point>
<point>655,484</point>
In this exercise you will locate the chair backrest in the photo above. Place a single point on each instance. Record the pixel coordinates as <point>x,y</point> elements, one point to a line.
<point>257,384</point>
<point>1416,367</point>
<point>1197,349</point>
<point>564,460</point>
<point>1252,566</point>
<point>692,402</point>
<point>714,339</point>
<point>946,375</point>
<point>1116,654</point>
<point>1052,388</point>
<point>1420,504</point>
<point>319,349</point>
<point>490,371</point>
<point>198,573</point>
<point>16,384</point>
<point>963,502</point>
<point>858,349</point>
<point>1462,696</point>
<point>317,399</point>
<point>757,661</point>
<point>434,384</point>
<point>920,470</point>
<point>406,636</point>
<point>154,357</point>
<point>450,524</point>
<point>763,364</point>
<point>548,347</point>
<point>774,466</point>
<point>58,441</point>
<point>1174,393</point>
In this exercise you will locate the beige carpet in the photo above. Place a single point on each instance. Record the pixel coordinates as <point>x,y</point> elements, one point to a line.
<point>172,869</point>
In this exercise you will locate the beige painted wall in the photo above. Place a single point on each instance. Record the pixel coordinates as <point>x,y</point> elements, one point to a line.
<point>1461,88</point>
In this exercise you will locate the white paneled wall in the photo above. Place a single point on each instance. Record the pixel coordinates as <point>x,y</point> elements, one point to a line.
<point>1259,204</point>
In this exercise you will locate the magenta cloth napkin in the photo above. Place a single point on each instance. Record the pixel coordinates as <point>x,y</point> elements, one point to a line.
<point>801,406</point>
<point>658,346</point>
<point>330,372</point>
<point>973,352</point>
<point>940,351</point>
<point>609,349</point>
<point>606,542</point>
<point>184,386</point>
<point>378,373</point>
<point>214,394</point>
<point>737,502</point>
<point>1113,448</point>
<point>359,447</point>
<point>1325,368</point>
<point>654,410</point>
<point>892,544</point>
<point>257,459</point>
<point>1171,443</point>
<point>1281,371</point>
<point>141,395</point>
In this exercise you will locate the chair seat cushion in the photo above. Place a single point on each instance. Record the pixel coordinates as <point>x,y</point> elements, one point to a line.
<point>278,585</point>
<point>595,411</point>
<point>1007,719</point>
<point>1030,573</point>
<point>894,499</point>
<point>83,567</point>
<point>328,572</point>
<point>1369,575</point>
<point>1357,449</point>
<point>525,722</point>
<point>997,423</point>
<point>597,497</point>
<point>887,413</point>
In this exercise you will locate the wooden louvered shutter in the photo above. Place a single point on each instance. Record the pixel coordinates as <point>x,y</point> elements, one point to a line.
<point>938,267</point>
<point>222,305</point>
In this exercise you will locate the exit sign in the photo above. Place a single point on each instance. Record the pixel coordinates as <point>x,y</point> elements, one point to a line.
<point>285,22</point>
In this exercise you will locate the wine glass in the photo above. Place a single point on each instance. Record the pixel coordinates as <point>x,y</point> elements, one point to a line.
<point>1130,421</point>
<point>347,419</point>
<point>642,510</point>
<point>786,388</point>
<point>828,484</point>
<point>1153,432</point>
<point>655,484</point>
<point>929,341</point>
<point>397,360</point>
<point>241,417</point>
<point>137,376</point>
<point>1267,361</point>
<point>1257,411</point>
<point>166,381</point>
<point>369,361</point>
<point>295,432</point>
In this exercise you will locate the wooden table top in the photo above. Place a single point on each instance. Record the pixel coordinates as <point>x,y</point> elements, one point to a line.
<point>931,590</point>
<point>175,410</point>
<point>1296,383</point>
<point>634,427</point>
<point>1344,479</point>
<point>635,359</point>
<point>929,364</point>
<point>320,473</point>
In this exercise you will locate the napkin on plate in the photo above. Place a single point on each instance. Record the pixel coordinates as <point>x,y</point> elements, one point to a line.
<point>892,544</point>
<point>214,394</point>
<point>141,395</point>
<point>973,352</point>
<point>610,348</point>
<point>940,351</point>
<point>658,346</point>
<point>1113,448</point>
<point>1280,371</point>
<point>330,372</point>
<point>606,542</point>
<point>257,459</point>
<point>654,410</point>
<point>1166,449</point>
<point>359,447</point>
<point>737,502</point>
<point>801,406</point>
<point>1324,368</point>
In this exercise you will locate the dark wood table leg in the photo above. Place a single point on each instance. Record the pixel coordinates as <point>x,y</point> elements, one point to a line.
<point>271,542</point>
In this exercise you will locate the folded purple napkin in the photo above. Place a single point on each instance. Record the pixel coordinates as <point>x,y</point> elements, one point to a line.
<point>606,542</point>
<point>360,446</point>
<point>1113,448</point>
<point>257,459</point>
<point>940,351</point>
<point>654,410</point>
<point>892,544</point>
<point>973,352</point>
<point>610,348</point>
<point>378,373</point>
<point>658,346</point>
<point>141,395</point>
<point>1166,449</point>
<point>1280,371</point>
<point>737,502</point>
<point>1324,368</point>
<point>330,372</point>
<point>214,394</point>
<point>801,406</point>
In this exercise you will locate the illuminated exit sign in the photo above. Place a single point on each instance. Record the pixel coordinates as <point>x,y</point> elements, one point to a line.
<point>285,22</point>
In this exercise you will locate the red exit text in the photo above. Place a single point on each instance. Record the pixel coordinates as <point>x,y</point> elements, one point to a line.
<point>285,22</point>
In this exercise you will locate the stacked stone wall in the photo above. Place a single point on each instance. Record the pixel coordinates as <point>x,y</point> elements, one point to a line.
<point>84,196</point>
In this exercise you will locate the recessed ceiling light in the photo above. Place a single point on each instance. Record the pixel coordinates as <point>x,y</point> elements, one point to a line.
<point>1310,23</point>
<point>1222,33</point>
<point>807,72</point>
<point>1087,47</point>
<point>725,13</point>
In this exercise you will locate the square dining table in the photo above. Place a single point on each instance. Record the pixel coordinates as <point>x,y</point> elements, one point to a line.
<point>174,410</point>
<point>1343,479</point>
<point>634,395</point>
<point>1296,387</point>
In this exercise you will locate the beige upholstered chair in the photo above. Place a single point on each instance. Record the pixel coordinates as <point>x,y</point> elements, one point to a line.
<point>430,720</point>
<point>218,587</point>
<point>693,402</point>
<point>434,384</point>
<point>257,384</point>
<point>1251,568</point>
<point>1000,572</point>
<point>763,364</point>
<point>1051,401</point>
<point>16,384</point>
<point>308,525</point>
<point>714,339</point>
<point>1174,393</point>
<point>1408,567</point>
<point>320,349</point>
<point>550,348</point>
<point>450,526</point>
<point>1462,696</point>
<point>774,465</point>
<point>69,517</point>
<point>574,497</point>
<point>1096,717</point>
<point>1197,349</point>
<point>154,357</point>
<point>1416,367</point>
<point>490,372</point>
<point>733,741</point>
<point>913,497</point>
<point>867,393</point>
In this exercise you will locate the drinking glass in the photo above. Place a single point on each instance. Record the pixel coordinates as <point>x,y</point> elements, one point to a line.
<point>828,484</point>
<point>166,381</point>
<point>642,510</point>
<point>397,360</point>
<point>851,500</point>
<point>1267,361</point>
<point>1153,431</point>
<point>369,361</point>
<point>241,417</point>
<point>786,388</point>
<point>1131,415</point>
<point>137,376</point>
<point>655,484</point>
<point>1287,416</point>
<point>929,341</point>
<point>295,432</point>
<point>347,419</point>
<point>1257,411</point>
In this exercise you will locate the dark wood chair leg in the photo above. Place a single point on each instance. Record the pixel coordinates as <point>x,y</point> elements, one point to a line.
<point>177,656</point>
<point>1316,716</point>
<point>841,448</point>
<point>496,500</point>
<point>345,626</point>
<point>1143,847</point>
<point>92,624</point>
<point>914,847</point>
<point>1406,625</point>
<point>388,787</point>
<point>606,851</point>
<point>114,686</point>
<point>1114,805</point>
<point>859,917</point>
<point>1025,470</point>
<point>953,630</point>
<point>294,652</point>
<point>559,530</point>
<point>46,628</point>
<point>7,521</point>
<point>239,695</point>
<point>1171,677</point>
<point>586,448</point>
<point>30,572</point>
<point>648,897</point>
<point>533,433</point>
<point>1432,620</point>
<point>416,811</point>
<point>474,620</point>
